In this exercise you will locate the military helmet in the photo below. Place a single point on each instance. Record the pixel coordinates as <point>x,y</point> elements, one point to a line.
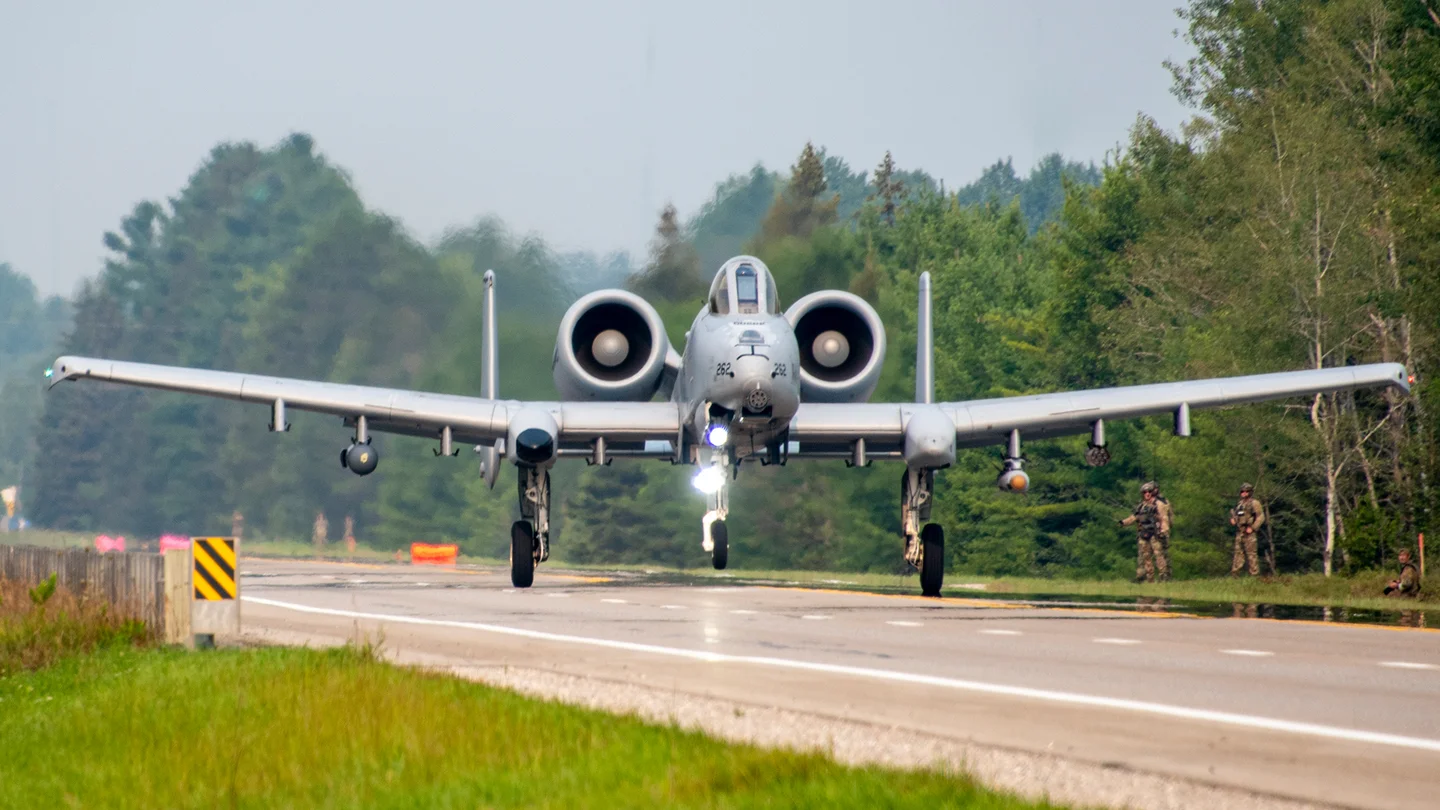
<point>1247,487</point>
<point>1148,486</point>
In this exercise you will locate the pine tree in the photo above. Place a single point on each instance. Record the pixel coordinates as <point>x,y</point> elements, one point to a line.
<point>802,207</point>
<point>888,188</point>
<point>673,273</point>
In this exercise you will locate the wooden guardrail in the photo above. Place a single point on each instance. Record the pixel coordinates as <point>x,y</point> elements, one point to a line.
<point>133,582</point>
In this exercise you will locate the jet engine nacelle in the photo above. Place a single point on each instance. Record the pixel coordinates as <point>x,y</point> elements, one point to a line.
<point>842,346</point>
<point>611,346</point>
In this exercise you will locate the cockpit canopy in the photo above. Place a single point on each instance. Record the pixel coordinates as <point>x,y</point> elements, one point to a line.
<point>744,286</point>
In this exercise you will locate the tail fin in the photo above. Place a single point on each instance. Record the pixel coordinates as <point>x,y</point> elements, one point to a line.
<point>489,379</point>
<point>924,347</point>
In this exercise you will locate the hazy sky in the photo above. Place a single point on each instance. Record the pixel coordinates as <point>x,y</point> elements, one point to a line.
<point>575,120</point>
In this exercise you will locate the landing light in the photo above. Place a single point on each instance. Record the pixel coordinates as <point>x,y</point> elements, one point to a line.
<point>716,435</point>
<point>49,372</point>
<point>709,480</point>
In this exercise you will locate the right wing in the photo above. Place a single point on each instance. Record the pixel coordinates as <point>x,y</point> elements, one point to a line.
<point>828,430</point>
<point>394,410</point>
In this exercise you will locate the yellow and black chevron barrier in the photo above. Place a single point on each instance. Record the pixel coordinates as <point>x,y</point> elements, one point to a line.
<point>214,568</point>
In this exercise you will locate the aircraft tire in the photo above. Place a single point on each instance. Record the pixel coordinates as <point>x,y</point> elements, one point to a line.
<point>720,536</point>
<point>522,554</point>
<point>932,567</point>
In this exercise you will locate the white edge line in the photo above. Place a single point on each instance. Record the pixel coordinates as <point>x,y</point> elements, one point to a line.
<point>1123,641</point>
<point>1407,665</point>
<point>1251,653</point>
<point>1181,712</point>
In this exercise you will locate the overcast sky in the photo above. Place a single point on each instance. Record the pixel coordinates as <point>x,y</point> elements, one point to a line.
<point>576,120</point>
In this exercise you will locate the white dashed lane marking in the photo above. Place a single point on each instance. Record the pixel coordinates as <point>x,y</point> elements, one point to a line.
<point>1250,653</point>
<point>558,595</point>
<point>615,601</point>
<point>672,607</point>
<point>814,617</point>
<point>743,612</point>
<point>999,632</point>
<point>1408,665</point>
<point>905,624</point>
<point>1120,641</point>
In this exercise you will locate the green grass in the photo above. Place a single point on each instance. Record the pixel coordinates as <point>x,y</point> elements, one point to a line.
<point>35,635</point>
<point>296,727</point>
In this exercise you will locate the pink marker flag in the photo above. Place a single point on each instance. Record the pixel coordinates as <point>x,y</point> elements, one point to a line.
<point>169,541</point>
<point>105,542</point>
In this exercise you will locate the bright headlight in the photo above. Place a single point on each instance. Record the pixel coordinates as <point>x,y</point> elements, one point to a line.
<point>716,435</point>
<point>709,480</point>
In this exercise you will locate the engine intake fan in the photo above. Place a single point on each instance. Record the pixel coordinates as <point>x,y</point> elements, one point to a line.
<point>842,346</point>
<point>611,346</point>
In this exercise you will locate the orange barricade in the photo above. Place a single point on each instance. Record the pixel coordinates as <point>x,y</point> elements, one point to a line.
<point>434,553</point>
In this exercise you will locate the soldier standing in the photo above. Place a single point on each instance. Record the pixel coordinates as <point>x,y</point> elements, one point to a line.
<point>321,532</point>
<point>1167,521</point>
<point>1151,522</point>
<point>1247,517</point>
<point>1408,585</point>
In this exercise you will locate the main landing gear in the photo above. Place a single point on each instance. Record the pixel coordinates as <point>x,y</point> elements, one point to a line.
<point>530,536</point>
<point>924,545</point>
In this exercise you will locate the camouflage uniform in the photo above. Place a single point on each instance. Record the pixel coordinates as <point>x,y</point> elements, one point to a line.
<point>1168,521</point>
<point>1408,585</point>
<point>1153,522</point>
<point>1248,513</point>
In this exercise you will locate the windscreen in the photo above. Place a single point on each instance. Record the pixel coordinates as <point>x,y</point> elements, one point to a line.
<point>747,288</point>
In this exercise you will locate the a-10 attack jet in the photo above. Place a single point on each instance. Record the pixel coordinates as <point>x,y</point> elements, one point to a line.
<point>754,384</point>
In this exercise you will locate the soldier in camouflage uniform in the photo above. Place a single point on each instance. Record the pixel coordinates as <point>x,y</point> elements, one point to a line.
<point>1152,521</point>
<point>1247,516</point>
<point>1168,521</point>
<point>1408,585</point>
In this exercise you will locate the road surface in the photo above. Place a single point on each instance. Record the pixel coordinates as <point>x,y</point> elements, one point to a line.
<point>1336,715</point>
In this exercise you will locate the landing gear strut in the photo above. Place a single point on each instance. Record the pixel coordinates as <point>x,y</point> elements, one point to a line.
<point>715,535</point>
<point>924,546</point>
<point>530,536</point>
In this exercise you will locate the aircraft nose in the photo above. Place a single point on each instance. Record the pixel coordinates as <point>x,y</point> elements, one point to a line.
<point>755,383</point>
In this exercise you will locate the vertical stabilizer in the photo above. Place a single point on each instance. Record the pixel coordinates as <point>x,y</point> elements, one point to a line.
<point>924,347</point>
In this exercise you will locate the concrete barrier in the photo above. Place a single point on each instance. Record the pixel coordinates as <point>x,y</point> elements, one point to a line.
<point>132,582</point>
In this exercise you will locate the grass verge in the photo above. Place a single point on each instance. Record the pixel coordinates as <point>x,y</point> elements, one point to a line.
<point>339,728</point>
<point>41,625</point>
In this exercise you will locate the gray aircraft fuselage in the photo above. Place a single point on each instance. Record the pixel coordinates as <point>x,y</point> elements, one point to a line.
<point>749,366</point>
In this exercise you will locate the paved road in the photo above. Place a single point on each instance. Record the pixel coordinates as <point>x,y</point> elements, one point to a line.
<point>1347,715</point>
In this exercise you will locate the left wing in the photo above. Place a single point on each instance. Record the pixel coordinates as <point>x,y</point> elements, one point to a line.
<point>394,410</point>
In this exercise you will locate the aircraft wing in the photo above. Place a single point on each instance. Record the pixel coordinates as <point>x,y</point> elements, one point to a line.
<point>828,429</point>
<point>393,410</point>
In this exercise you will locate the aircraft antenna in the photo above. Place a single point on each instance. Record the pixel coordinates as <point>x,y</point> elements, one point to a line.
<point>924,347</point>
<point>489,374</point>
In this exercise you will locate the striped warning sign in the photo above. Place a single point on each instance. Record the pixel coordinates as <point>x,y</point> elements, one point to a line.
<point>214,568</point>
